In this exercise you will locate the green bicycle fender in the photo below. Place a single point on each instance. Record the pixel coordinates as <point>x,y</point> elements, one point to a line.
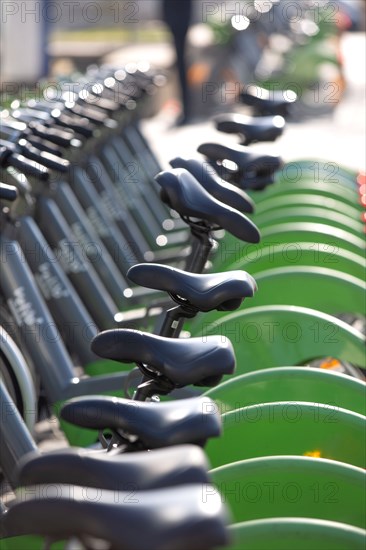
<point>293,486</point>
<point>326,169</point>
<point>319,288</point>
<point>299,533</point>
<point>306,200</point>
<point>290,384</point>
<point>297,254</point>
<point>273,336</point>
<point>303,64</point>
<point>294,175</point>
<point>280,188</point>
<point>319,49</point>
<point>315,232</point>
<point>232,250</point>
<point>28,543</point>
<point>308,214</point>
<point>342,188</point>
<point>76,436</point>
<point>300,72</point>
<point>322,170</point>
<point>290,428</point>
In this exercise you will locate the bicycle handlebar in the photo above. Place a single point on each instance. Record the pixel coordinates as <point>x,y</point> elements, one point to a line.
<point>24,165</point>
<point>8,192</point>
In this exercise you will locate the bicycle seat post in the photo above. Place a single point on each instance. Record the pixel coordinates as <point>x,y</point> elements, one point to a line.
<point>171,328</point>
<point>202,245</point>
<point>174,317</point>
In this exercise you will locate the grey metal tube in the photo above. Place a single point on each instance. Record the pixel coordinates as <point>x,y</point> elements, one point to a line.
<point>91,244</point>
<point>37,329</point>
<point>77,267</point>
<point>23,377</point>
<point>73,320</point>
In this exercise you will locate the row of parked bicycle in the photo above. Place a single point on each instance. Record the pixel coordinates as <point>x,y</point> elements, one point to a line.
<point>87,223</point>
<point>279,45</point>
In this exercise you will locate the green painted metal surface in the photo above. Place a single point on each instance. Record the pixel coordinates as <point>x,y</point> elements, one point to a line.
<point>300,253</point>
<point>104,366</point>
<point>291,214</point>
<point>288,235</point>
<point>315,232</point>
<point>28,543</point>
<point>290,428</point>
<point>306,200</point>
<point>320,288</point>
<point>320,170</point>
<point>273,336</point>
<point>329,190</point>
<point>289,486</point>
<point>291,384</point>
<point>302,66</point>
<point>299,533</point>
<point>78,437</point>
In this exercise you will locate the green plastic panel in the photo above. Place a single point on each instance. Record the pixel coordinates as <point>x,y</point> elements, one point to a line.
<point>312,214</point>
<point>293,232</point>
<point>288,486</point>
<point>296,200</point>
<point>297,254</point>
<point>321,189</point>
<point>29,543</point>
<point>291,384</point>
<point>273,336</point>
<point>319,288</point>
<point>287,236</point>
<point>323,170</point>
<point>290,428</point>
<point>296,533</point>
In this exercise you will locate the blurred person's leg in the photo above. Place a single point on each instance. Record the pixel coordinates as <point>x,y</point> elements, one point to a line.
<point>180,47</point>
<point>177,15</point>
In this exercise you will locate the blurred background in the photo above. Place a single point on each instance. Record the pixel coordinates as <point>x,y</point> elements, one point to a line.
<point>277,44</point>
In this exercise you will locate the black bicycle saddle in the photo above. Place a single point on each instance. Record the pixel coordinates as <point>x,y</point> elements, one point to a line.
<point>267,102</point>
<point>113,470</point>
<point>192,420</point>
<point>252,129</point>
<point>182,361</point>
<point>182,192</point>
<point>177,518</point>
<point>221,291</point>
<point>247,160</point>
<point>220,189</point>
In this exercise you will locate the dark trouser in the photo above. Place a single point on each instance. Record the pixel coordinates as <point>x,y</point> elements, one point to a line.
<point>180,43</point>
